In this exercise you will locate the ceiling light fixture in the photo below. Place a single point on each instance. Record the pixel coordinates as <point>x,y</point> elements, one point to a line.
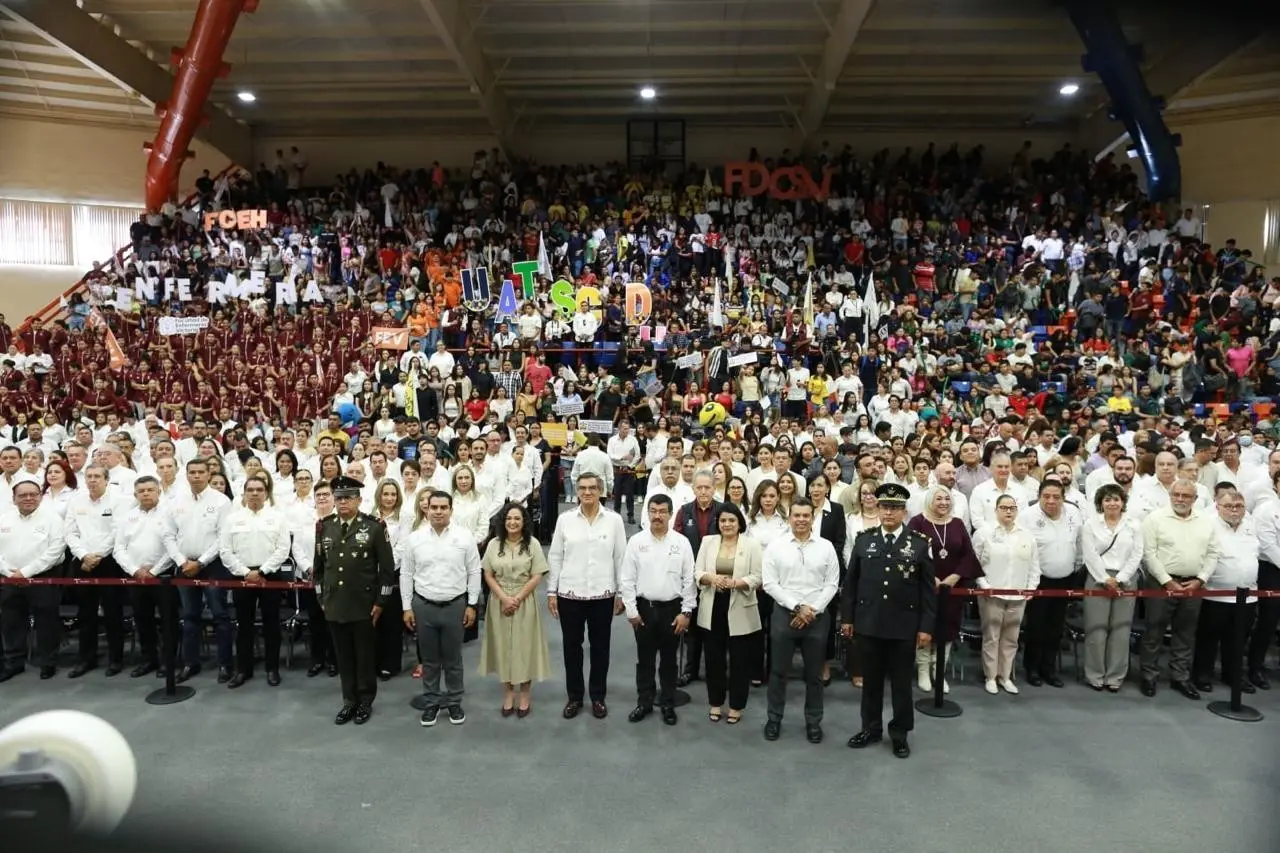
<point>1069,89</point>
<point>246,97</point>
<point>648,93</point>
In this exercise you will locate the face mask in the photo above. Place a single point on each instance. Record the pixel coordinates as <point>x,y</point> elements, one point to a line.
<point>1246,441</point>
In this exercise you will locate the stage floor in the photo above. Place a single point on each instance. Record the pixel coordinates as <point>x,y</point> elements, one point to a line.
<point>1050,770</point>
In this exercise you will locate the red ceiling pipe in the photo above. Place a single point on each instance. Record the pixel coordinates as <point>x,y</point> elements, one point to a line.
<point>198,65</point>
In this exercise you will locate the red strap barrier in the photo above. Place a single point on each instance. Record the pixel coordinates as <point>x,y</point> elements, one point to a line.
<point>216,584</point>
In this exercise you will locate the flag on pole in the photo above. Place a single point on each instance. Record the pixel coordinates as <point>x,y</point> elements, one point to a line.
<point>870,310</point>
<point>115,354</point>
<point>411,394</point>
<point>808,303</point>
<point>717,309</point>
<point>544,262</point>
<point>707,186</point>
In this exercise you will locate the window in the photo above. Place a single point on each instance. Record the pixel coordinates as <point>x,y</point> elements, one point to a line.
<point>55,233</point>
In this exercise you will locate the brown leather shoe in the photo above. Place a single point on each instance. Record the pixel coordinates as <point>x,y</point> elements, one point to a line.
<point>571,709</point>
<point>599,711</point>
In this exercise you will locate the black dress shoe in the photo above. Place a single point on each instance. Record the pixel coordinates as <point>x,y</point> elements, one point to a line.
<point>900,748</point>
<point>143,669</point>
<point>773,730</point>
<point>813,732</point>
<point>1186,688</point>
<point>333,670</point>
<point>864,739</point>
<point>363,713</point>
<point>686,678</point>
<point>1035,681</point>
<point>1054,681</point>
<point>1204,685</point>
<point>81,668</point>
<point>273,678</point>
<point>237,680</point>
<point>1259,679</point>
<point>224,674</point>
<point>6,674</point>
<point>1246,687</point>
<point>47,672</point>
<point>669,715</point>
<point>384,676</point>
<point>345,715</point>
<point>186,674</point>
<point>639,712</point>
<point>113,669</point>
<point>599,710</point>
<point>315,669</point>
<point>572,708</point>
<point>1148,687</point>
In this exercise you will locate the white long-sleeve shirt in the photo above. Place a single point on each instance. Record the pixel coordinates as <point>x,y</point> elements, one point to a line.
<point>1178,547</point>
<point>767,528</point>
<point>796,572</point>
<point>493,481</point>
<point>250,540</point>
<point>624,451</point>
<point>32,544</point>
<point>1267,523</point>
<point>982,501</point>
<point>681,493</point>
<point>91,525</point>
<point>1237,564</point>
<point>1105,550</point>
<point>657,570</point>
<point>586,555</point>
<point>1010,559</point>
<point>471,513</point>
<point>1057,539</point>
<point>194,525</point>
<point>593,460</point>
<point>439,566</point>
<point>139,541</point>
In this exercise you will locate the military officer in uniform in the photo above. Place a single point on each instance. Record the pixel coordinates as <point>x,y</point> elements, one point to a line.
<point>354,574</point>
<point>889,603</point>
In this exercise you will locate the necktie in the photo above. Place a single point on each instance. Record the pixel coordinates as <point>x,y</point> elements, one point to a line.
<point>888,541</point>
<point>346,529</point>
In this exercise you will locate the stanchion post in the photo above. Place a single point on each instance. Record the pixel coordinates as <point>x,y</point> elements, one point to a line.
<point>172,693</point>
<point>939,705</point>
<point>1235,709</point>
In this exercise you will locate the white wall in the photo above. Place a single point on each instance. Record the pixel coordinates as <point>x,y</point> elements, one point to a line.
<point>49,161</point>
<point>26,288</point>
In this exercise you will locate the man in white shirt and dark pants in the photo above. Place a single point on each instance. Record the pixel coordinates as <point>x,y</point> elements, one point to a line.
<point>253,545</point>
<point>31,543</point>
<point>801,574</point>
<point>1056,528</point>
<point>191,539</point>
<point>582,589</point>
<point>91,537</point>
<point>657,589</point>
<point>140,554</point>
<point>624,453</point>
<point>440,588</point>
<point>1237,567</point>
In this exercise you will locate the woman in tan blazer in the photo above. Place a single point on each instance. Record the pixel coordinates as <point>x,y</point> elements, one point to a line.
<point>728,573</point>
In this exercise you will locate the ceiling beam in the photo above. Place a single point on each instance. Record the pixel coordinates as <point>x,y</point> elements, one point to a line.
<point>63,23</point>
<point>835,53</point>
<point>1177,72</point>
<point>456,34</point>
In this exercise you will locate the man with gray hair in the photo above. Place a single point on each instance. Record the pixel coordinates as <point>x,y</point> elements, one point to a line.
<point>1181,548</point>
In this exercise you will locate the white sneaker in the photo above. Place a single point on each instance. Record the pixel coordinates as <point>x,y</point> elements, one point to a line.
<point>923,681</point>
<point>991,686</point>
<point>1009,686</point>
<point>946,686</point>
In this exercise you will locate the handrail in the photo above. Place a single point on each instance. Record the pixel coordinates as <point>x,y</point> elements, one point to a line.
<point>49,311</point>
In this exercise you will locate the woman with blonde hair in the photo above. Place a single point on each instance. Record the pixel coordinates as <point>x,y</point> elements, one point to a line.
<point>1010,559</point>
<point>765,523</point>
<point>954,564</point>
<point>786,494</point>
<point>468,505</point>
<point>388,508</point>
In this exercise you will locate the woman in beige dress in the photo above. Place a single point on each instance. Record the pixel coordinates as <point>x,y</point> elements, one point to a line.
<point>514,646</point>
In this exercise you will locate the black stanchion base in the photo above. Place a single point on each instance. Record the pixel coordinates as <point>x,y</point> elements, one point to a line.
<point>930,708</point>
<point>1243,714</point>
<point>165,697</point>
<point>682,698</point>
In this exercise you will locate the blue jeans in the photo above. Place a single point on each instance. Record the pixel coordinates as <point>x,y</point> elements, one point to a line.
<point>194,599</point>
<point>570,487</point>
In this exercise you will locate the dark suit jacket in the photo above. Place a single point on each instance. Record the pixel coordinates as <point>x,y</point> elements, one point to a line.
<point>832,529</point>
<point>686,523</point>
<point>889,593</point>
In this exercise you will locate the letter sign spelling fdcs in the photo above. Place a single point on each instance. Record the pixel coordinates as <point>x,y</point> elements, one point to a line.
<point>785,184</point>
<point>475,289</point>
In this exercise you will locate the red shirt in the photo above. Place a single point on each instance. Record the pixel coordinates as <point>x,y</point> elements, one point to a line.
<point>538,375</point>
<point>923,274</point>
<point>476,409</point>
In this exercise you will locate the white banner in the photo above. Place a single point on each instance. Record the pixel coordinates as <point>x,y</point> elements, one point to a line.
<point>743,358</point>
<point>691,360</point>
<point>181,325</point>
<point>602,427</point>
<point>563,409</point>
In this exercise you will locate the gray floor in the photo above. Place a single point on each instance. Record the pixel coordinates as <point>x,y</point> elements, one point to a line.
<point>1048,770</point>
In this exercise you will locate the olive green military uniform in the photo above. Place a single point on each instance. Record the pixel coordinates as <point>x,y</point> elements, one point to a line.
<point>354,570</point>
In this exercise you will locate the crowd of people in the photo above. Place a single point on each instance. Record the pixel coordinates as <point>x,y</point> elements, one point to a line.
<point>1024,368</point>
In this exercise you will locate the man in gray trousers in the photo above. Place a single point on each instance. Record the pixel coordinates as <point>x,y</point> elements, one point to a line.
<point>440,586</point>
